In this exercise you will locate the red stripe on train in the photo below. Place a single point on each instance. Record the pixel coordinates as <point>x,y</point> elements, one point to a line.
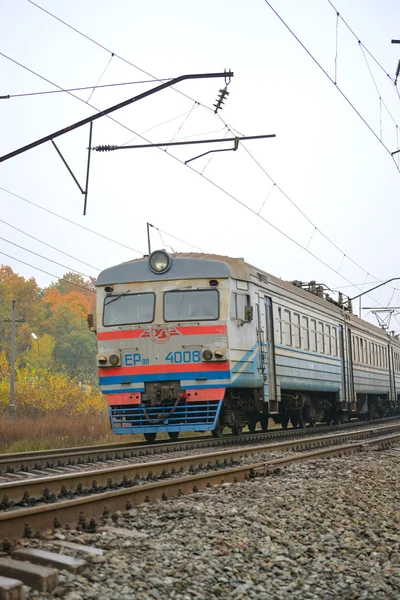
<point>153,369</point>
<point>186,330</point>
<point>122,399</point>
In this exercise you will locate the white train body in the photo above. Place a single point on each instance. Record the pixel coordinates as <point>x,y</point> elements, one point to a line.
<point>210,341</point>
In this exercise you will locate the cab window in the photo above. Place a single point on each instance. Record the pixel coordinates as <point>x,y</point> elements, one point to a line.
<point>128,309</point>
<point>191,305</point>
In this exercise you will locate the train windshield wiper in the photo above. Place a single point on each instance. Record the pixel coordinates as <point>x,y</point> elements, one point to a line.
<point>114,298</point>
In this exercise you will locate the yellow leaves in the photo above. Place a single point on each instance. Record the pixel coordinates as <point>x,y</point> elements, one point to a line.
<point>4,366</point>
<point>37,393</point>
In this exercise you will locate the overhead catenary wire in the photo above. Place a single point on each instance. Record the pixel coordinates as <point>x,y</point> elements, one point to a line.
<point>49,245</point>
<point>126,127</point>
<point>339,16</point>
<point>333,82</point>
<point>158,125</point>
<point>48,273</point>
<point>150,75</point>
<point>70,221</point>
<point>101,77</point>
<point>139,135</point>
<point>80,89</point>
<point>177,238</point>
<point>44,257</point>
<point>128,62</point>
<point>192,169</point>
<point>315,227</point>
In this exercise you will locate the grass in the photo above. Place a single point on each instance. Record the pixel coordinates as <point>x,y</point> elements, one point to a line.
<point>56,430</point>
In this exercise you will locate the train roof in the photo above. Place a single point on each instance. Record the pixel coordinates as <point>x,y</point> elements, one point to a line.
<point>183,266</point>
<point>196,265</point>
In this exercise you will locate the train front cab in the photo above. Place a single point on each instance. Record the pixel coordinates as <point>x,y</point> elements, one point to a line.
<point>163,345</point>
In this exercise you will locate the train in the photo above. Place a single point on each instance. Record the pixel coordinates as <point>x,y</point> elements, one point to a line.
<point>202,342</point>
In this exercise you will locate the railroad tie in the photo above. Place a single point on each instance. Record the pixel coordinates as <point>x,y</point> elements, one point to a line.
<point>50,559</point>
<point>11,589</point>
<point>39,578</point>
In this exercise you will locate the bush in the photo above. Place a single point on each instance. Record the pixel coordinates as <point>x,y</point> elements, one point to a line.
<point>37,393</point>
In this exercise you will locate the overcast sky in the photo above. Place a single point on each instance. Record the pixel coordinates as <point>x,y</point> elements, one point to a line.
<point>330,171</point>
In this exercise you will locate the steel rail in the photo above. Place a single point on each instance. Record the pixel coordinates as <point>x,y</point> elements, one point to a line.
<point>80,454</point>
<point>14,523</point>
<point>27,489</point>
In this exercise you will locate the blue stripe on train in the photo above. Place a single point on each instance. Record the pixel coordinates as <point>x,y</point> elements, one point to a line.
<point>165,377</point>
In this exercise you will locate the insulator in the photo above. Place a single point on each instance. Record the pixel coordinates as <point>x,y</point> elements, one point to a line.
<point>398,70</point>
<point>105,148</point>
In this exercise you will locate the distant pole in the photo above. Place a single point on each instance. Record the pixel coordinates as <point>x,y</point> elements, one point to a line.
<point>13,322</point>
<point>12,374</point>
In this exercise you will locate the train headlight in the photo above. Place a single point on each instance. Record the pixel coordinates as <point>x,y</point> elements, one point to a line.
<point>102,359</point>
<point>114,359</point>
<point>159,261</point>
<point>207,354</point>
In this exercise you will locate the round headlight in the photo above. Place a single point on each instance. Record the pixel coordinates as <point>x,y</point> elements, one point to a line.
<point>114,359</point>
<point>159,261</point>
<point>207,354</point>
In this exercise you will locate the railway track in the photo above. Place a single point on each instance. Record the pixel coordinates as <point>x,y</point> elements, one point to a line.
<point>46,502</point>
<point>45,460</point>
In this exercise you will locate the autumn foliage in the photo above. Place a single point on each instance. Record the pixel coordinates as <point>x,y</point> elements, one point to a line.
<point>57,371</point>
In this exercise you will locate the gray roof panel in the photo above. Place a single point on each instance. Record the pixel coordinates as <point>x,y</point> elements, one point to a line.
<point>181,268</point>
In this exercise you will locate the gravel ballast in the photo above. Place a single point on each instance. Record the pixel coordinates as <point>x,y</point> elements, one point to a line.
<point>324,529</point>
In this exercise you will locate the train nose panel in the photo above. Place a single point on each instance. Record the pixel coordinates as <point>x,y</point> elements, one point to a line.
<point>181,415</point>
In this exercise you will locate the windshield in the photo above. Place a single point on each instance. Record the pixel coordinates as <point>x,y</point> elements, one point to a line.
<point>128,309</point>
<point>193,305</point>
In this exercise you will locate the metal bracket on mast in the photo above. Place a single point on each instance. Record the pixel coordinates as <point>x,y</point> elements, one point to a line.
<point>103,113</point>
<point>83,191</point>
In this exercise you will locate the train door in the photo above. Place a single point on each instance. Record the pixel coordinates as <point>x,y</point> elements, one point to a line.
<point>343,367</point>
<point>271,392</point>
<point>260,339</point>
<point>350,373</point>
<point>392,378</point>
<point>261,333</point>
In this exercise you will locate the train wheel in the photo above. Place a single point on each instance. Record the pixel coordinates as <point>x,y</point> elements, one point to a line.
<point>252,426</point>
<point>218,431</point>
<point>237,430</point>
<point>264,422</point>
<point>150,437</point>
<point>173,435</point>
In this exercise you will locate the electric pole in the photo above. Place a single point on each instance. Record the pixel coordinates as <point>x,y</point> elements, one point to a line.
<point>14,322</point>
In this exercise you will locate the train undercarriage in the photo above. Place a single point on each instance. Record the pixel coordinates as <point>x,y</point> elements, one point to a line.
<point>246,408</point>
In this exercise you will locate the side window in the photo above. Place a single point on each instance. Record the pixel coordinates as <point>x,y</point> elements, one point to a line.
<point>357,348</point>
<point>288,329</point>
<point>313,335</point>
<point>296,330</point>
<point>238,304</point>
<point>321,347</point>
<point>334,342</point>
<point>361,350</point>
<point>280,326</point>
<point>304,333</point>
<point>328,349</point>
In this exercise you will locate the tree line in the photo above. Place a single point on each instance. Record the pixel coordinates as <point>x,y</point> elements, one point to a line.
<point>57,316</point>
